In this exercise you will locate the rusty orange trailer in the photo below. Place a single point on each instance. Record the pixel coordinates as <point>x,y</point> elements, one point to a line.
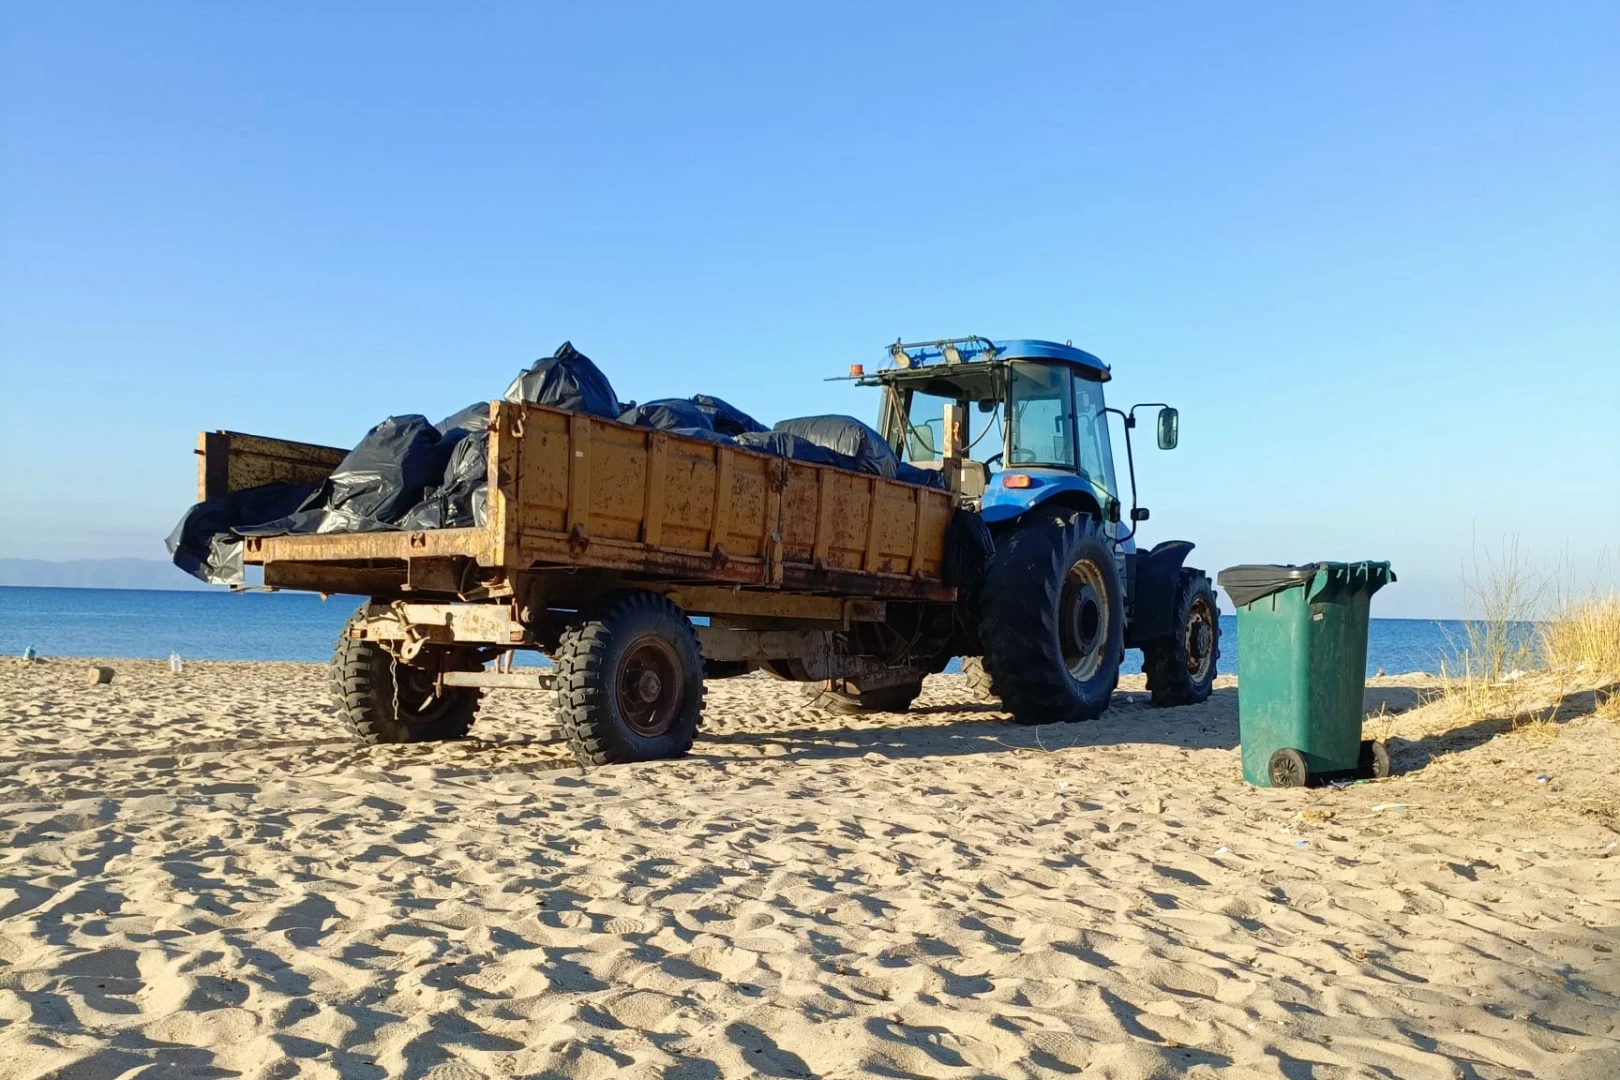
<point>601,542</point>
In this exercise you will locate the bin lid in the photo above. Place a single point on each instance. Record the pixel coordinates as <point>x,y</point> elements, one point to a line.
<point>1255,581</point>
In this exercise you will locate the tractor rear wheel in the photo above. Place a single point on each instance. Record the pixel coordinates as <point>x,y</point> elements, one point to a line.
<point>846,698</point>
<point>1054,619</point>
<point>1180,669</point>
<point>629,681</point>
<point>382,701</point>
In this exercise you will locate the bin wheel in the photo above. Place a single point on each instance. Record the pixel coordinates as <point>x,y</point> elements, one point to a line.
<point>1288,769</point>
<point>1374,763</point>
<point>629,681</point>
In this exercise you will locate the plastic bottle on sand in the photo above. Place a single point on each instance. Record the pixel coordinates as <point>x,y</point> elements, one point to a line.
<point>176,665</point>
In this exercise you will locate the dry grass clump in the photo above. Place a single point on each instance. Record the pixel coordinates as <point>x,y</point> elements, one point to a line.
<point>1498,645</point>
<point>1582,640</point>
<point>1584,634</point>
<point>1528,641</point>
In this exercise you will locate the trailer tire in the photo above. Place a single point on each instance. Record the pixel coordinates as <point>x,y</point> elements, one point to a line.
<point>980,686</point>
<point>836,696</point>
<point>1054,619</point>
<point>367,683</point>
<point>1180,669</point>
<point>629,681</point>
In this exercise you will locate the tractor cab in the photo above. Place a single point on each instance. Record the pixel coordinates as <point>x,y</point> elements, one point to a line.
<point>1012,424</point>
<point>1019,429</point>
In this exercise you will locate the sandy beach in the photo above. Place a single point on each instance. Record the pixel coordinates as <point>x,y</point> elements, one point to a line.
<point>202,877</point>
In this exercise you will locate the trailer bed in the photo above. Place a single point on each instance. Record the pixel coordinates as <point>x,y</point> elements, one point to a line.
<point>570,492</point>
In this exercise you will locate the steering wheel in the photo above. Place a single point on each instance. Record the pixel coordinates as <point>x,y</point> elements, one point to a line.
<point>992,459</point>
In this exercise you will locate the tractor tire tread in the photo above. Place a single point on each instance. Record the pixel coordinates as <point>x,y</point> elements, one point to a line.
<point>582,691</point>
<point>360,676</point>
<point>1169,683</point>
<point>1023,653</point>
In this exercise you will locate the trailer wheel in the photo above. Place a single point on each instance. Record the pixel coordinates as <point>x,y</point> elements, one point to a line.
<point>843,697</point>
<point>980,685</point>
<point>1054,619</point>
<point>629,681</point>
<point>382,701</point>
<point>1180,669</point>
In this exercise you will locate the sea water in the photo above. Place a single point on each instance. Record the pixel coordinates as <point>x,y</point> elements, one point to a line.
<point>146,624</point>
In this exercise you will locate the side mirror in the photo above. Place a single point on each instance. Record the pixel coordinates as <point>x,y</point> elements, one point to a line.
<point>1140,513</point>
<point>1169,428</point>
<point>1113,510</point>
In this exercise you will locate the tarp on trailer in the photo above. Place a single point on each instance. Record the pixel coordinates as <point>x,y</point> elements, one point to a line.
<point>848,437</point>
<point>726,418</point>
<point>667,414</point>
<point>784,444</point>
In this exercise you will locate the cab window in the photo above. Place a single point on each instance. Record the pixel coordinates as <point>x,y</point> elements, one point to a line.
<point>1041,414</point>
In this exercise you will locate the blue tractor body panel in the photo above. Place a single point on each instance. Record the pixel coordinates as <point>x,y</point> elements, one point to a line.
<point>1036,349</point>
<point>1012,349</point>
<point>1001,503</point>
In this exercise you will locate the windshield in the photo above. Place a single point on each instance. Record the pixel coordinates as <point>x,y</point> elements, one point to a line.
<point>1040,415</point>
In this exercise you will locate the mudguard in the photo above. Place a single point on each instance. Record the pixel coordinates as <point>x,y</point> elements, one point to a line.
<point>1152,614</point>
<point>1001,503</point>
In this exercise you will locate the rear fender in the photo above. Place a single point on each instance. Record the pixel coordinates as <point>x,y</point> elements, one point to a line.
<point>1047,488</point>
<point>1152,614</point>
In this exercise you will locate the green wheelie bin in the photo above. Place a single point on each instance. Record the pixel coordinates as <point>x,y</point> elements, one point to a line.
<point>1302,670</point>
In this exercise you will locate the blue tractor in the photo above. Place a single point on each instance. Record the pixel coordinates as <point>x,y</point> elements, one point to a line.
<point>1019,429</point>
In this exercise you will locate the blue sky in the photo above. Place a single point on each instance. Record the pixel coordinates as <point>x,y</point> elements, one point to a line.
<point>1369,250</point>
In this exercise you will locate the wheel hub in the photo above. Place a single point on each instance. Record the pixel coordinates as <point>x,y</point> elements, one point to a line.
<point>649,686</point>
<point>1083,619</point>
<point>1200,638</point>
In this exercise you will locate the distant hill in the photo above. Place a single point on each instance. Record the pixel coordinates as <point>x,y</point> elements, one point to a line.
<point>97,574</point>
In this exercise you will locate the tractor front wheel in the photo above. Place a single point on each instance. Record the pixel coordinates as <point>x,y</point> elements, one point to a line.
<point>1180,669</point>
<point>1054,619</point>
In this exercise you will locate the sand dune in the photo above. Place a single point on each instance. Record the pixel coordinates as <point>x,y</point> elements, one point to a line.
<point>202,878</point>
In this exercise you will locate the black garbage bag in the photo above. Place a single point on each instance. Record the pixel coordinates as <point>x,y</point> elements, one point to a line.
<point>373,487</point>
<point>667,414</point>
<point>849,437</point>
<point>726,418</point>
<point>474,417</point>
<point>907,473</point>
<point>784,444</point>
<point>706,434</point>
<point>462,493</point>
<point>461,499</point>
<point>968,548</point>
<point>203,544</point>
<point>567,380</point>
